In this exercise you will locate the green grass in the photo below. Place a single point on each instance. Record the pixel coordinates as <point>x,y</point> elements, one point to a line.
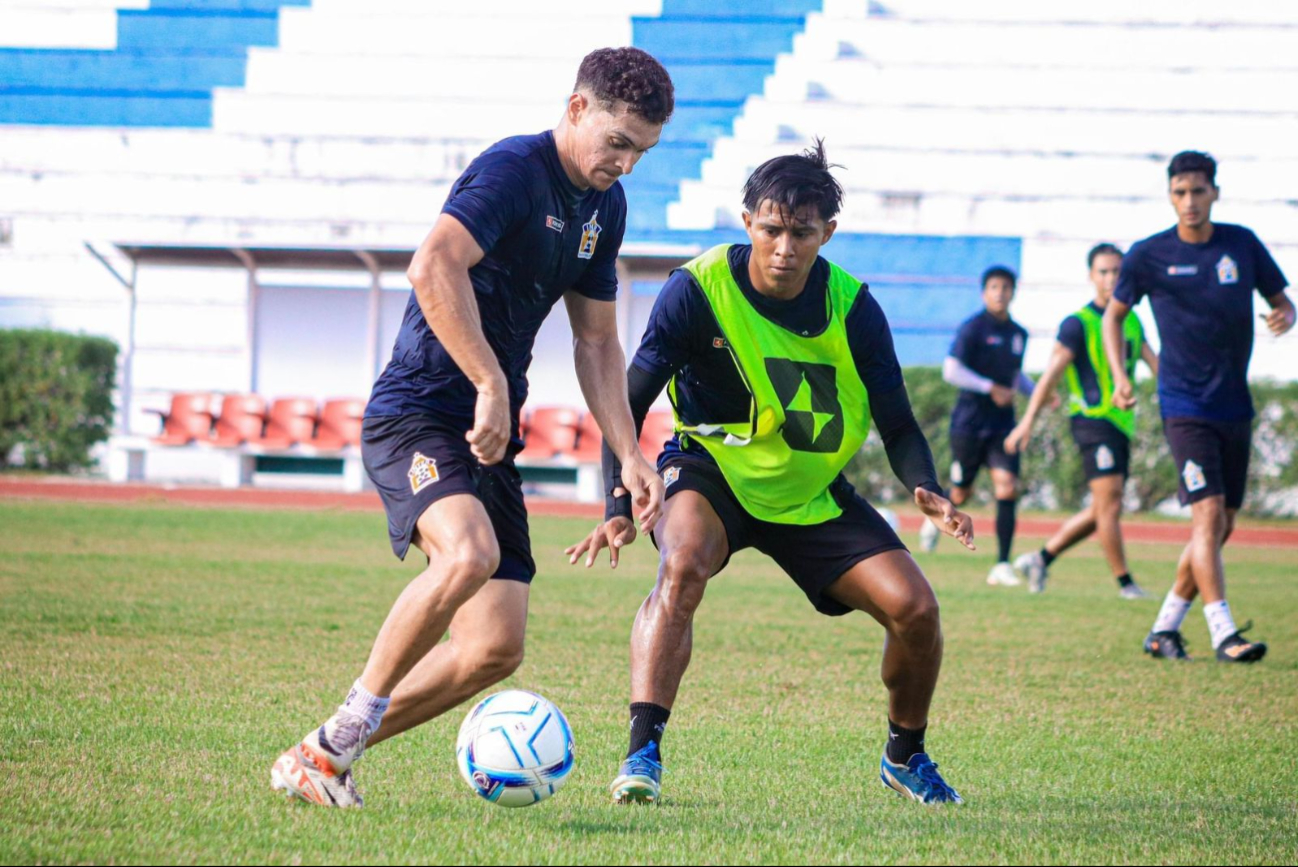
<point>153,662</point>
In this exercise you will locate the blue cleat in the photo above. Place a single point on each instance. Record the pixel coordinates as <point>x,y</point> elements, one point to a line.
<point>639,780</point>
<point>918,780</point>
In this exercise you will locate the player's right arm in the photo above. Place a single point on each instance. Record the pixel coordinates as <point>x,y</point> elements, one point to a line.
<point>1115,348</point>
<point>439,274</point>
<point>1060,358</point>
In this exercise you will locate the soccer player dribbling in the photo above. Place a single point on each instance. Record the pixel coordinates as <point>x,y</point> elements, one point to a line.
<point>776,362</point>
<point>533,219</point>
<point>1200,277</point>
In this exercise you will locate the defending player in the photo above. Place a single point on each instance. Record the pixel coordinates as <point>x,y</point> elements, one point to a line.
<point>776,361</point>
<point>1101,431</point>
<point>986,364</point>
<point>532,219</point>
<point>1199,277</point>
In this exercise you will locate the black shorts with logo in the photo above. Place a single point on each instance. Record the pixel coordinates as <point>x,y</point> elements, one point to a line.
<point>414,461</point>
<point>1106,450</point>
<point>970,451</point>
<point>1211,457</point>
<point>815,555</point>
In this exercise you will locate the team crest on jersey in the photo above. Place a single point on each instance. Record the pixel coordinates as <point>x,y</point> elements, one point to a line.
<point>1017,344</point>
<point>1193,476</point>
<point>670,475</point>
<point>423,472</point>
<point>1227,271</point>
<point>1104,458</point>
<point>589,237</point>
<point>554,223</point>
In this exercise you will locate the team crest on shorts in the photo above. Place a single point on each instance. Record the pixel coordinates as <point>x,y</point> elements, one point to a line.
<point>589,237</point>
<point>423,472</point>
<point>670,475</point>
<point>1104,458</point>
<point>1193,476</point>
<point>1227,271</point>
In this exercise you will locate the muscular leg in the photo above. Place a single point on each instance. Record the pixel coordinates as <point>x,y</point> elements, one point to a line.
<point>1106,500</point>
<point>1074,530</point>
<point>484,648</point>
<point>1210,527</point>
<point>693,545</point>
<point>891,589</point>
<point>456,535</point>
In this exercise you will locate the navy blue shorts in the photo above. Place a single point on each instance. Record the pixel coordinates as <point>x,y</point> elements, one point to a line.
<point>813,555</point>
<point>969,452</point>
<point>1211,458</point>
<point>414,461</point>
<point>1105,449</point>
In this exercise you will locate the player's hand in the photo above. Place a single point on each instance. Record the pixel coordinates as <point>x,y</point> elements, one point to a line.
<point>1055,402</point>
<point>1002,396</point>
<point>491,426</point>
<point>942,512</point>
<point>1018,438</point>
<point>646,490</point>
<point>1279,320</point>
<point>613,534</point>
<point>1124,396</point>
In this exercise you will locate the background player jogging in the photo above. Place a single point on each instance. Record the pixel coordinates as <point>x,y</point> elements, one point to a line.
<point>986,364</point>
<point>777,362</point>
<point>1199,277</point>
<point>1101,430</point>
<point>532,219</point>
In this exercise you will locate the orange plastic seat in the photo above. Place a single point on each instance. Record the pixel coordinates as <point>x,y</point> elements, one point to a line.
<point>659,426</point>
<point>291,420</point>
<point>242,418</point>
<point>589,440</point>
<point>340,424</point>
<point>549,431</point>
<point>190,419</point>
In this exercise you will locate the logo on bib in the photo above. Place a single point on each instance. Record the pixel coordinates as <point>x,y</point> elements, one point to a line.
<point>808,392</point>
<point>423,472</point>
<point>1104,458</point>
<point>589,237</point>
<point>1193,477</point>
<point>1227,271</point>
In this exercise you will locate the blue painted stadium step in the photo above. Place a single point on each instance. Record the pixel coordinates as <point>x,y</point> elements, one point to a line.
<point>121,70</point>
<point>196,28</point>
<point>67,108</point>
<point>227,5</point>
<point>751,8</point>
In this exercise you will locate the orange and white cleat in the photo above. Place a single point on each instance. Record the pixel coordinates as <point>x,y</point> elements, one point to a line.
<point>318,770</point>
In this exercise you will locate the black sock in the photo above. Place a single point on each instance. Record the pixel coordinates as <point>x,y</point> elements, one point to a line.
<point>1005,527</point>
<point>1125,580</point>
<point>647,723</point>
<point>904,743</point>
<point>1047,557</point>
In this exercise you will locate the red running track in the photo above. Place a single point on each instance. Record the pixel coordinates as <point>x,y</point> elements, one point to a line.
<point>100,492</point>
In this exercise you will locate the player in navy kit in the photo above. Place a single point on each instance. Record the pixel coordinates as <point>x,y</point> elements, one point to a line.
<point>1200,277</point>
<point>986,364</point>
<point>533,219</point>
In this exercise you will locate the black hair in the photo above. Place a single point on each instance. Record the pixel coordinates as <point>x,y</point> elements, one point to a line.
<point>1101,250</point>
<point>1000,271</point>
<point>1193,161</point>
<point>629,75</point>
<point>794,182</point>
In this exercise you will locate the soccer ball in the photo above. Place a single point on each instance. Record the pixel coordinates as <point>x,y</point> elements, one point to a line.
<point>515,748</point>
<point>890,517</point>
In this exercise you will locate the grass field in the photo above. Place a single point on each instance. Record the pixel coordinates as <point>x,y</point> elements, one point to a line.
<point>154,662</point>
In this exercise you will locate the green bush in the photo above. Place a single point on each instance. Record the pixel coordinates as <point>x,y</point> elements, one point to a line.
<point>56,397</point>
<point>1052,468</point>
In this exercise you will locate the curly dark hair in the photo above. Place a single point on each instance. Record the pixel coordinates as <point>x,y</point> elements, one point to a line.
<point>628,75</point>
<point>796,181</point>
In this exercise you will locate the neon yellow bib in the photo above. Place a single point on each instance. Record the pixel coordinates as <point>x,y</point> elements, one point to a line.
<point>809,411</point>
<point>1134,336</point>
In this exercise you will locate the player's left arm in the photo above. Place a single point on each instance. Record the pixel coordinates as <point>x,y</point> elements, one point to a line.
<point>601,372</point>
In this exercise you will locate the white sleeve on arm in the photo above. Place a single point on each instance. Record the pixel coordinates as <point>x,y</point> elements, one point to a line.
<point>955,372</point>
<point>1025,384</point>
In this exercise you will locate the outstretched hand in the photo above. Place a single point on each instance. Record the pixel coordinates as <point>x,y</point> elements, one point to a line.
<point>944,515</point>
<point>613,534</point>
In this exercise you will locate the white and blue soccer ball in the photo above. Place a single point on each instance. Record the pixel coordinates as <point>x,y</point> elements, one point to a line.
<point>515,748</point>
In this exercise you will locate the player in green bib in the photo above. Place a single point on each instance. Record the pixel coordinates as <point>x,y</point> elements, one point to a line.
<point>777,363</point>
<point>1101,430</point>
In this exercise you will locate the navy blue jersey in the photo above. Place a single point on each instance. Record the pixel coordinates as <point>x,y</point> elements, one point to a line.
<point>541,236</point>
<point>1202,296</point>
<point>992,349</point>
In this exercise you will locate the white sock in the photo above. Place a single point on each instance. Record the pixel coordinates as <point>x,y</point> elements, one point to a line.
<point>362,703</point>
<point>1220,623</point>
<point>1172,614</point>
